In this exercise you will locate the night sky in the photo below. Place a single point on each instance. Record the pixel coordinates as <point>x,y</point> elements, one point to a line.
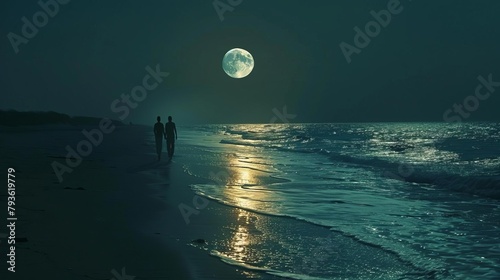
<point>427,58</point>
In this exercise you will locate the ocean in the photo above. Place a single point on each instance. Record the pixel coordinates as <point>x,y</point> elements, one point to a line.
<point>400,200</point>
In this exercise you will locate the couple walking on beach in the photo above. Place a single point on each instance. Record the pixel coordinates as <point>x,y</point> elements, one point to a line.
<point>169,132</point>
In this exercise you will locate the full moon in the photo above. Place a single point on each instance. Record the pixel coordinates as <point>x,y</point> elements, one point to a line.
<point>237,63</point>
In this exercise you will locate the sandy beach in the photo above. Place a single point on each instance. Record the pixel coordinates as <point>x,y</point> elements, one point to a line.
<point>229,207</point>
<point>116,215</point>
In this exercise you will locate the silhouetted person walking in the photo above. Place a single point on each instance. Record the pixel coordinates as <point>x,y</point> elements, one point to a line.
<point>171,136</point>
<point>159,134</point>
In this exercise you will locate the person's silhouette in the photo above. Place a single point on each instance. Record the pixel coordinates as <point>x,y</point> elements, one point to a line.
<point>159,134</point>
<point>171,136</point>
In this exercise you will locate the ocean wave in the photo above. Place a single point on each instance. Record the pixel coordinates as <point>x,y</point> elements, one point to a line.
<point>418,268</point>
<point>484,185</point>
